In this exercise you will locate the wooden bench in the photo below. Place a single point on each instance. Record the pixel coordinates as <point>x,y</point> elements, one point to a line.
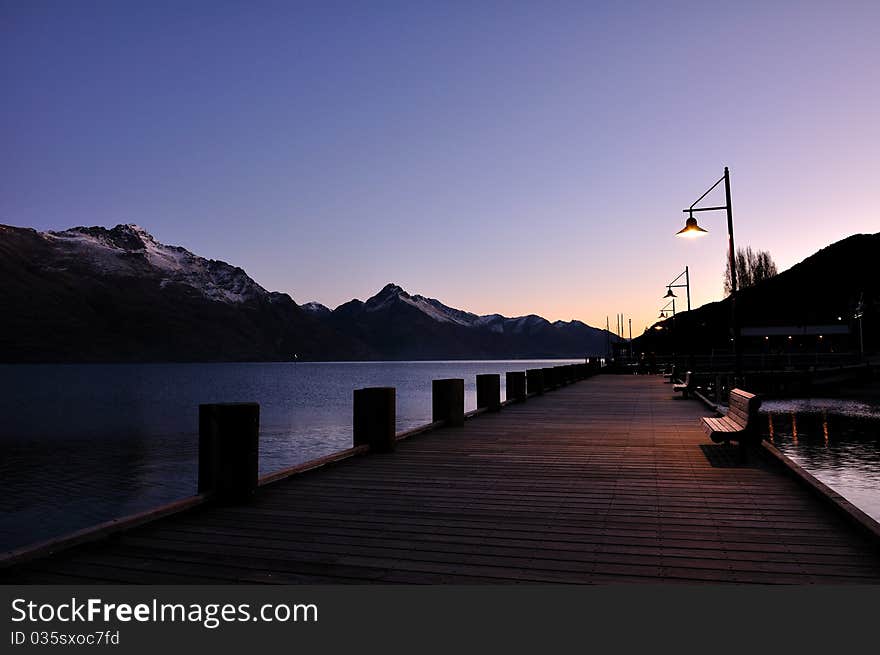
<point>686,386</point>
<point>670,376</point>
<point>739,424</point>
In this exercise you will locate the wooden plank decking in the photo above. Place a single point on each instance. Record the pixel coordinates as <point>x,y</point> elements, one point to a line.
<point>607,480</point>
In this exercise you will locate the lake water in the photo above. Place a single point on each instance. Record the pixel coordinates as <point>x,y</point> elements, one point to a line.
<point>81,444</point>
<point>838,441</point>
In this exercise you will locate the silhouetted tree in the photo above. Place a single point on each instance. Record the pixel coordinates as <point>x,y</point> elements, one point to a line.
<point>751,268</point>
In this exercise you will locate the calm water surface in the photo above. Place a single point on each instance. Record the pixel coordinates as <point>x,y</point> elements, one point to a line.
<point>838,441</point>
<point>81,444</point>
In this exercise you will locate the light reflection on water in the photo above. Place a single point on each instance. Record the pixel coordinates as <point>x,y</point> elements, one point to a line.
<point>837,406</point>
<point>841,450</point>
<point>82,444</point>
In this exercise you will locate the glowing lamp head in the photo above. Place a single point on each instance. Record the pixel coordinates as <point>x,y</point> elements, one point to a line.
<point>691,229</point>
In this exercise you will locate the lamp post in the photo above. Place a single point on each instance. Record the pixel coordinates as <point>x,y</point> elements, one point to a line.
<point>671,294</point>
<point>860,312</point>
<point>691,229</point>
<point>666,312</point>
<point>687,285</point>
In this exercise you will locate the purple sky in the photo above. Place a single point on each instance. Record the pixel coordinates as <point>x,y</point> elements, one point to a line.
<point>502,157</point>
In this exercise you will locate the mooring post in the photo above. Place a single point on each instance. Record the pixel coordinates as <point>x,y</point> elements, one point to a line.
<point>229,441</point>
<point>448,401</point>
<point>516,385</point>
<point>375,418</point>
<point>489,391</point>
<point>549,378</point>
<point>535,380</point>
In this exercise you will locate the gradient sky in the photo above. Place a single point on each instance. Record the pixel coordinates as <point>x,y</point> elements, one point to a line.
<point>512,157</point>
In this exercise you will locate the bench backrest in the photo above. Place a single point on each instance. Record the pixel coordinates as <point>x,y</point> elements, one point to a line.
<point>742,407</point>
<point>687,379</point>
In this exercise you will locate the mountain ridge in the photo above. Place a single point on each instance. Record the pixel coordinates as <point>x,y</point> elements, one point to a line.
<point>825,288</point>
<point>118,294</point>
<point>440,311</point>
<point>412,326</point>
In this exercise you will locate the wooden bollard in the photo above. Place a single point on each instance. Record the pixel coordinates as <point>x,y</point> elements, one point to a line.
<point>516,385</point>
<point>566,374</point>
<point>549,378</point>
<point>229,441</point>
<point>535,380</point>
<point>375,418</point>
<point>448,401</point>
<point>489,391</point>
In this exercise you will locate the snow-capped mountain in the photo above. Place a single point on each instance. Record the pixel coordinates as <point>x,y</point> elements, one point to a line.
<point>444,314</point>
<point>402,326</point>
<point>129,250</point>
<point>118,294</point>
<point>315,308</point>
<point>434,309</point>
<point>98,294</point>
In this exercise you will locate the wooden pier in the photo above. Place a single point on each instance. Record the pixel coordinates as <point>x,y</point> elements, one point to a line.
<point>603,481</point>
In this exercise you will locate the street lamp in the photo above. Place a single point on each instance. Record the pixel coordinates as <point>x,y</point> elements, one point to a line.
<point>687,285</point>
<point>665,312</point>
<point>860,312</point>
<point>691,229</point>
